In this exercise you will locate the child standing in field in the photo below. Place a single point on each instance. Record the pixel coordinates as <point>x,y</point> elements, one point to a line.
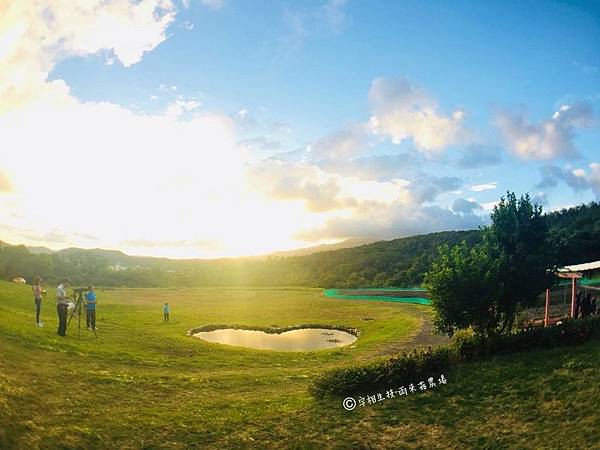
<point>166,312</point>
<point>90,308</point>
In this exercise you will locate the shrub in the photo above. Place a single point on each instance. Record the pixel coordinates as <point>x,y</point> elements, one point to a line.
<point>421,364</point>
<point>402,369</point>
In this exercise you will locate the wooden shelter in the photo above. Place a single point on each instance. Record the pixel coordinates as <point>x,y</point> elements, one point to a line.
<point>574,272</point>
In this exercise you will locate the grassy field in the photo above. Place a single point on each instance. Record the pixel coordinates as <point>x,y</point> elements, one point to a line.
<point>145,384</point>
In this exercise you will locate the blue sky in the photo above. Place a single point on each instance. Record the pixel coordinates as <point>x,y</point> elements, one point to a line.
<point>385,92</point>
<point>482,56</point>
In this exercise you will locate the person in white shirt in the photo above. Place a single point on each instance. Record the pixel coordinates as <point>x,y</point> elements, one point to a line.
<point>61,307</point>
<point>38,293</point>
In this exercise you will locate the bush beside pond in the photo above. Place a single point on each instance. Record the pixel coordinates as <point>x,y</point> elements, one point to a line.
<point>421,364</point>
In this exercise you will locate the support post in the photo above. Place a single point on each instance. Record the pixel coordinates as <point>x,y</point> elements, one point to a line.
<point>546,311</point>
<point>573,291</point>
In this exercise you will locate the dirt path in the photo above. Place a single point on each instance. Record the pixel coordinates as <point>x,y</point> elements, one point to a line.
<point>425,337</point>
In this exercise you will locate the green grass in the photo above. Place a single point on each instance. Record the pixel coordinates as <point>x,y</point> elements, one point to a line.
<point>145,384</point>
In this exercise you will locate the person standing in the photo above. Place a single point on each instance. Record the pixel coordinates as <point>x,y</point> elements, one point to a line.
<point>90,308</point>
<point>61,307</point>
<point>38,292</point>
<point>166,311</point>
<point>586,305</point>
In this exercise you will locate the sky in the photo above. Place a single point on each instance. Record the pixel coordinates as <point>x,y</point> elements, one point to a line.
<point>210,128</point>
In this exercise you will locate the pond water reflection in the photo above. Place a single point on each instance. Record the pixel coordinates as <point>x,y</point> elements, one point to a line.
<point>304,339</point>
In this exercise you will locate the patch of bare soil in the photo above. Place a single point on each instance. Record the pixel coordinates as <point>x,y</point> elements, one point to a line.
<point>424,338</point>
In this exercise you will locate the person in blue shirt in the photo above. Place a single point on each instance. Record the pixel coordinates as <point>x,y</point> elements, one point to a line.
<point>166,311</point>
<point>90,308</point>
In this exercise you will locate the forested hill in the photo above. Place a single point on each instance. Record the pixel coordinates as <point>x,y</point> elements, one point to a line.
<point>398,262</point>
<point>574,232</point>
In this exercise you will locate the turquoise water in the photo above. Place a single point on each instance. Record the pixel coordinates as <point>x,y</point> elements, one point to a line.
<point>334,293</point>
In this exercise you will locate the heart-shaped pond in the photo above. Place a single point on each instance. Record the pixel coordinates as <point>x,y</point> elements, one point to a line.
<point>303,339</point>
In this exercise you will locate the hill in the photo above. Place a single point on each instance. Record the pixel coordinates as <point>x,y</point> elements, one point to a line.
<point>348,243</point>
<point>39,250</point>
<point>574,235</point>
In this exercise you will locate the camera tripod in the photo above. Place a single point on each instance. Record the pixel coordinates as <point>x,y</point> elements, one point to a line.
<point>77,309</point>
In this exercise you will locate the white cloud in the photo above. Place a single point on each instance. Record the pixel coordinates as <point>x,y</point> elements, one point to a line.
<point>403,111</point>
<point>484,187</point>
<point>376,167</point>
<point>265,143</point>
<point>109,172</point>
<point>35,35</point>
<point>5,184</point>
<point>284,181</point>
<point>465,206</point>
<point>577,179</point>
<point>594,179</point>
<point>489,205</point>
<point>178,107</point>
<point>586,68</point>
<point>245,119</point>
<point>302,22</point>
<point>129,178</point>
<point>319,190</point>
<point>213,4</point>
<point>541,198</point>
<point>123,165</point>
<point>428,187</point>
<point>388,221</point>
<point>164,88</point>
<point>549,139</point>
<point>336,15</point>
<point>574,178</point>
<point>343,144</point>
<point>355,207</point>
<point>150,182</point>
<point>396,104</point>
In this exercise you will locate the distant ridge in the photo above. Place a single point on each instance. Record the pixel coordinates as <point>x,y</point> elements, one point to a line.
<point>574,233</point>
<point>41,250</point>
<point>348,243</point>
<point>119,257</point>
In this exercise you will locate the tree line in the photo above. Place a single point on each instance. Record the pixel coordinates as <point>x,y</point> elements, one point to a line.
<point>573,234</point>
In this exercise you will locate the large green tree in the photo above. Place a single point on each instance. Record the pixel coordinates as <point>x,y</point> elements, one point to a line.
<point>463,286</point>
<point>519,238</point>
<point>483,286</point>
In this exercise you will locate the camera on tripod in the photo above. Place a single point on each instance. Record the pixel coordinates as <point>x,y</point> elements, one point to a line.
<point>77,301</point>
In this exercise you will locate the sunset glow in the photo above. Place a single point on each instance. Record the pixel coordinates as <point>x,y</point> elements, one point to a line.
<point>121,130</point>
